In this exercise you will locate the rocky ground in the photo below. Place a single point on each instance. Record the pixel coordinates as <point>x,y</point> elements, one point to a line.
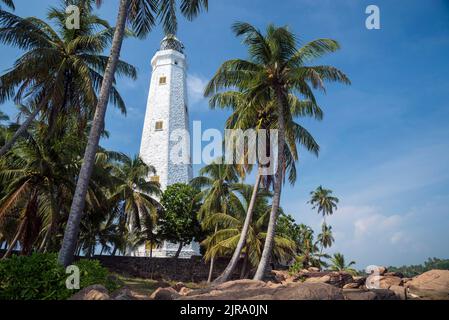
<point>310,284</point>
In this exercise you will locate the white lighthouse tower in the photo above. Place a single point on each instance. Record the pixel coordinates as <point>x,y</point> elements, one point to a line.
<point>167,113</point>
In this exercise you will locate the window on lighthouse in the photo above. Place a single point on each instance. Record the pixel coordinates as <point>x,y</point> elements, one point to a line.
<point>162,80</point>
<point>159,126</point>
<point>155,179</point>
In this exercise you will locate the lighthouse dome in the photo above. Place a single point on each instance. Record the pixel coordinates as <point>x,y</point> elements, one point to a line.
<point>170,42</point>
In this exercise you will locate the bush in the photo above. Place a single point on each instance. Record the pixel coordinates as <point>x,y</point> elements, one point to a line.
<point>41,277</point>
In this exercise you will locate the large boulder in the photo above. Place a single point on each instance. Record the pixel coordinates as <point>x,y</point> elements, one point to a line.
<point>259,290</point>
<point>165,294</point>
<point>128,294</point>
<point>433,284</point>
<point>382,282</point>
<point>338,279</point>
<point>374,294</point>
<point>308,291</point>
<point>323,279</point>
<point>94,292</point>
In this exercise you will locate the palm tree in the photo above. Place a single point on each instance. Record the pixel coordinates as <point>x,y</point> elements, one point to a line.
<point>141,15</point>
<point>8,3</point>
<point>216,182</point>
<point>260,115</point>
<point>339,264</point>
<point>276,67</point>
<point>224,241</point>
<point>61,70</point>
<point>309,255</point>
<point>325,238</point>
<point>136,194</point>
<point>323,201</point>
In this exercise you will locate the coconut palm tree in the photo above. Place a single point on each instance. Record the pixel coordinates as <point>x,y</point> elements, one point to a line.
<point>216,182</point>
<point>8,3</point>
<point>260,115</point>
<point>323,201</point>
<point>61,70</point>
<point>308,251</point>
<point>141,15</point>
<point>276,66</point>
<point>138,197</point>
<point>339,264</point>
<point>325,238</point>
<point>224,241</point>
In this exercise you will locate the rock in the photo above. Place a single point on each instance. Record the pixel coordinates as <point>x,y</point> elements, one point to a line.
<point>274,285</point>
<point>243,284</point>
<point>323,279</point>
<point>384,294</point>
<point>308,291</point>
<point>282,276</point>
<point>375,294</point>
<point>128,294</point>
<point>185,291</point>
<point>165,294</point>
<point>178,286</point>
<point>340,279</point>
<point>258,290</point>
<point>382,282</point>
<point>94,292</point>
<point>399,291</point>
<point>358,294</point>
<point>313,269</point>
<point>379,270</point>
<point>353,285</point>
<point>433,285</point>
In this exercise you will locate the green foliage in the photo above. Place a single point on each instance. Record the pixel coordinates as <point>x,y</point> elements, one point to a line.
<point>37,277</point>
<point>296,267</point>
<point>92,272</point>
<point>41,277</point>
<point>414,270</point>
<point>179,222</point>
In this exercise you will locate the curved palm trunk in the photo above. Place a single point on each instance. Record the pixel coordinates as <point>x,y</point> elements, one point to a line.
<point>243,235</point>
<point>79,198</point>
<point>23,127</point>
<point>268,246</point>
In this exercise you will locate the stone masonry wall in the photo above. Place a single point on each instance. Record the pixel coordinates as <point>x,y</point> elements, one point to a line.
<point>194,269</point>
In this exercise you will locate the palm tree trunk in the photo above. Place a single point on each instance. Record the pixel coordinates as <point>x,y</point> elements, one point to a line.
<point>79,198</point>
<point>268,246</point>
<point>243,235</point>
<point>114,251</point>
<point>14,241</point>
<point>179,251</point>
<point>23,127</point>
<point>211,270</point>
<point>244,270</point>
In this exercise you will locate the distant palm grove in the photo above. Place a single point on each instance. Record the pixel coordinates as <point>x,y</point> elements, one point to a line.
<point>61,192</point>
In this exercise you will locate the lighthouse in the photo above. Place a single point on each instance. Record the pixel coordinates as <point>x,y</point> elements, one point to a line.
<point>166,119</point>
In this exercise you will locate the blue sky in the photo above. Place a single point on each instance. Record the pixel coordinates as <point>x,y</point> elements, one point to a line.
<point>384,140</point>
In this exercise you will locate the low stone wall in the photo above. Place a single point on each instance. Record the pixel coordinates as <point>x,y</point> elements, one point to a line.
<point>193,269</point>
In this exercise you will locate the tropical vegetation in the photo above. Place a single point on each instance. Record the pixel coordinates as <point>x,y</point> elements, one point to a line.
<point>61,192</point>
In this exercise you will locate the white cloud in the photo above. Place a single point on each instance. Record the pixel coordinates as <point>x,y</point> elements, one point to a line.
<point>195,87</point>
